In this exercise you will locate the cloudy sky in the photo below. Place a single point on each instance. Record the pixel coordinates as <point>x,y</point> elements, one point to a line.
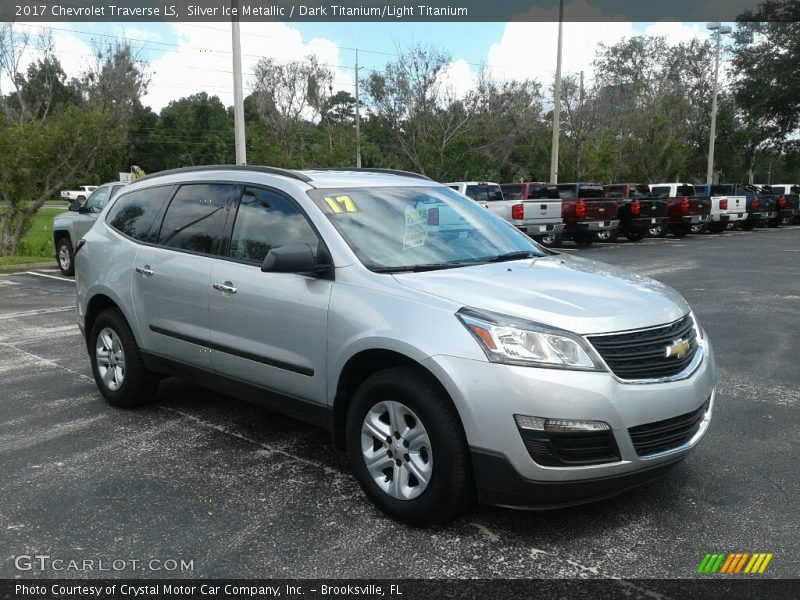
<point>185,58</point>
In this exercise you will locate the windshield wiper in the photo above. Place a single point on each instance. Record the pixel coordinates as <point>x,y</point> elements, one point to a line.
<point>512,256</point>
<point>425,267</point>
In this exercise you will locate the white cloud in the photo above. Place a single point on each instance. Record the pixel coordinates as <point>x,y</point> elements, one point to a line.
<point>458,77</point>
<point>203,60</point>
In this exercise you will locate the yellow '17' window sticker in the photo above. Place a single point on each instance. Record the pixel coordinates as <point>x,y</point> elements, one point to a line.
<point>341,204</point>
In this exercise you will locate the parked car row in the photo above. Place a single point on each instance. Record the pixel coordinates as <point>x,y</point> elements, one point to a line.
<point>588,212</point>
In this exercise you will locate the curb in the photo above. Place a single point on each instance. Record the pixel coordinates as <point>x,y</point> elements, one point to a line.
<point>7,269</point>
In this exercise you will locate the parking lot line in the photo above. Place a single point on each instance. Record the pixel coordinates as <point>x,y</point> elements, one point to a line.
<point>48,276</point>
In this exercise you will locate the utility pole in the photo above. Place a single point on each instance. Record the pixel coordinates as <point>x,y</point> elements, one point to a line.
<point>238,94</point>
<point>358,119</point>
<point>719,31</point>
<point>557,100</point>
<point>582,93</point>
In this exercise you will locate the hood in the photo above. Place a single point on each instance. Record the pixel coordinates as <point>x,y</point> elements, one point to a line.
<point>579,295</point>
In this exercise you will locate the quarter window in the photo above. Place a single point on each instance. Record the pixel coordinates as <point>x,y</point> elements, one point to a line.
<point>267,220</point>
<point>133,214</point>
<point>195,217</point>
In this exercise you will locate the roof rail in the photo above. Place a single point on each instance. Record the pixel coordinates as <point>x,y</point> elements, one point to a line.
<point>256,168</point>
<point>374,170</point>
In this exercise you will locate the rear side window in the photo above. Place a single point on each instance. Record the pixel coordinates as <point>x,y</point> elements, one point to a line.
<point>267,220</point>
<point>195,217</point>
<point>133,214</point>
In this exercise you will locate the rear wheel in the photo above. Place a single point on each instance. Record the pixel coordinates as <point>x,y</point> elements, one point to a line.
<point>716,227</point>
<point>679,231</point>
<point>698,229</point>
<point>583,238</point>
<point>407,447</point>
<point>635,236</point>
<point>117,367</point>
<point>607,236</point>
<point>65,256</point>
<point>748,225</point>
<point>774,222</point>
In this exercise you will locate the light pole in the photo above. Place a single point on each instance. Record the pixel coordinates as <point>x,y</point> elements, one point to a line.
<point>557,100</point>
<point>238,95</point>
<point>719,31</point>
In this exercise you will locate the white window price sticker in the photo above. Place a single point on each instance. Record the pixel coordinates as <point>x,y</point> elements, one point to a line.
<point>415,232</point>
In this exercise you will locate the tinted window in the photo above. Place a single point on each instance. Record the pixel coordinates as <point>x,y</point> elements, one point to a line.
<point>133,214</point>
<point>267,220</point>
<point>591,192</point>
<point>195,217</point>
<point>661,190</point>
<point>114,190</point>
<point>485,193</point>
<point>686,190</point>
<point>549,192</point>
<point>512,192</point>
<point>97,200</point>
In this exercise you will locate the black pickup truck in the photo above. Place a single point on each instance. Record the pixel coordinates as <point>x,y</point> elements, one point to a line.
<point>787,202</point>
<point>639,210</point>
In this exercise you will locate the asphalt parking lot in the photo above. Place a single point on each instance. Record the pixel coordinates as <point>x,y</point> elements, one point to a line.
<point>243,492</point>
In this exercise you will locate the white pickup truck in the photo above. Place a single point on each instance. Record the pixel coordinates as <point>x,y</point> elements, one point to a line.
<point>533,208</point>
<point>78,195</point>
<point>726,208</point>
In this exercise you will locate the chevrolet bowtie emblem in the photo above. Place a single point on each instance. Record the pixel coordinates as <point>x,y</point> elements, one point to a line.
<point>678,348</point>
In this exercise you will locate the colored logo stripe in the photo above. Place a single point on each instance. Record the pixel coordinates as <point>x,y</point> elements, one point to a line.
<point>734,563</point>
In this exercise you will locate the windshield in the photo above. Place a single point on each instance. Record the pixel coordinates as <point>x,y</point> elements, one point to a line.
<point>419,228</point>
<point>98,199</point>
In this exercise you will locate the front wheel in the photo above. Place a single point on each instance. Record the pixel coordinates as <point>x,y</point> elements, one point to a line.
<point>65,256</point>
<point>407,447</point>
<point>117,367</point>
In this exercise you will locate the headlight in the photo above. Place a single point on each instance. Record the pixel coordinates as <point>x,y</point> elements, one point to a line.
<point>514,341</point>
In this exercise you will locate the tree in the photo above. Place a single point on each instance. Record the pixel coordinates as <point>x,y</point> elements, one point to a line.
<point>425,113</point>
<point>287,95</point>
<point>766,63</point>
<point>51,131</point>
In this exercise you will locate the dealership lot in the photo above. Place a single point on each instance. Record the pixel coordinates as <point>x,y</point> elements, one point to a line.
<point>242,492</point>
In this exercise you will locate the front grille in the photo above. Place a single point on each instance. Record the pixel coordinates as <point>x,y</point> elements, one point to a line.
<point>642,354</point>
<point>661,436</point>
<point>570,449</point>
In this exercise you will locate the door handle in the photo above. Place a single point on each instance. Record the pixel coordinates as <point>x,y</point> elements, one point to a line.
<point>226,287</point>
<point>145,270</point>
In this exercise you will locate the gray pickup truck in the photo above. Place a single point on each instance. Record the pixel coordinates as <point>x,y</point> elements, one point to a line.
<point>69,227</point>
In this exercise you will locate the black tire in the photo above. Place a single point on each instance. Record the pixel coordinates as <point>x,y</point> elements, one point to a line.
<point>698,229</point>
<point>606,237</point>
<point>716,227</point>
<point>680,231</point>
<point>635,236</point>
<point>65,257</point>
<point>583,239</point>
<point>772,223</point>
<point>551,241</point>
<point>80,199</point>
<point>138,385</point>
<point>659,231</point>
<point>450,488</point>
<point>748,225</point>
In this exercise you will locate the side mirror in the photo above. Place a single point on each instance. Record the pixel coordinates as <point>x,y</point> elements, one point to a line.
<point>292,258</point>
<point>74,206</point>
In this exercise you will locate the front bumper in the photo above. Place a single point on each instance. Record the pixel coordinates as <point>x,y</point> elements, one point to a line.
<point>488,395</point>
<point>598,225</point>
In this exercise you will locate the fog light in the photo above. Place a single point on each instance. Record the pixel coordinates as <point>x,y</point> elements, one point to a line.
<point>540,424</point>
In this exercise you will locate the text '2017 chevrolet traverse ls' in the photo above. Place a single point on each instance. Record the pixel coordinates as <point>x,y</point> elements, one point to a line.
<point>449,354</point>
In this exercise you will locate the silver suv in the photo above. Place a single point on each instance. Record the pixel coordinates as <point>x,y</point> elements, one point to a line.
<point>450,362</point>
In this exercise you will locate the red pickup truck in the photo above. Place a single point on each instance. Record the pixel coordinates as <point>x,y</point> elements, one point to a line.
<point>586,211</point>
<point>685,208</point>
